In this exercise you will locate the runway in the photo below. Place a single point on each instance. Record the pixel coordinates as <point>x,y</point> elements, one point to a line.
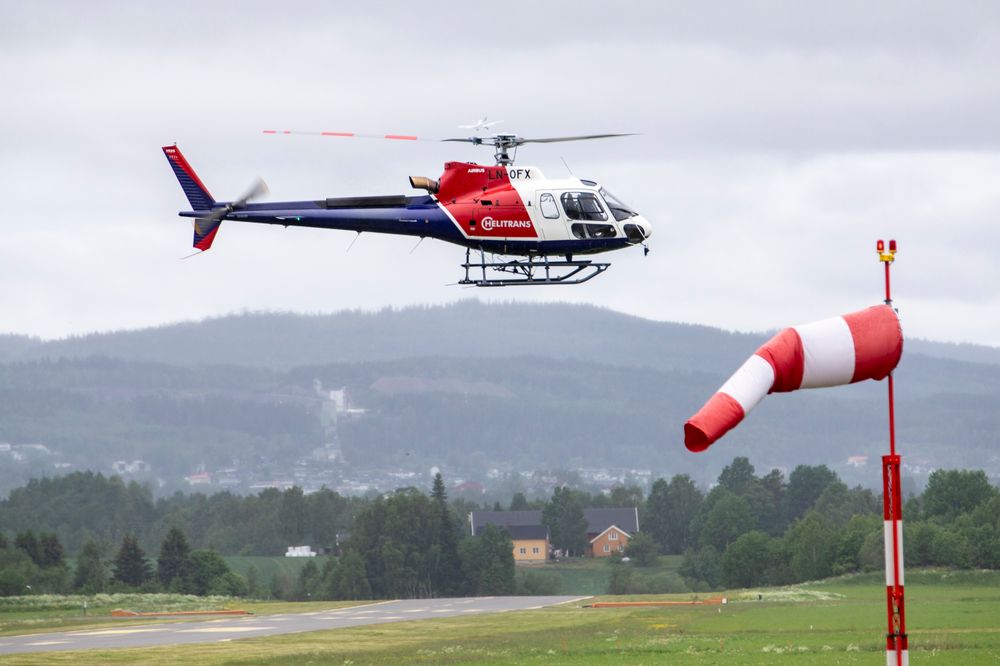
<point>227,629</point>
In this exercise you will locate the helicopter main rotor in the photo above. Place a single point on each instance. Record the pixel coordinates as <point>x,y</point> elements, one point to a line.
<point>505,145</point>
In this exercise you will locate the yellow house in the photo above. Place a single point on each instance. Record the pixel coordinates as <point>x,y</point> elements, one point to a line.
<point>531,542</point>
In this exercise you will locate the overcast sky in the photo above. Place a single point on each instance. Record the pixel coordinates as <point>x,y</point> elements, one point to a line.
<point>778,141</point>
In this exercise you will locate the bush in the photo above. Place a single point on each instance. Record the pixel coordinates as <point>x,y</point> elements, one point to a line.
<point>536,583</point>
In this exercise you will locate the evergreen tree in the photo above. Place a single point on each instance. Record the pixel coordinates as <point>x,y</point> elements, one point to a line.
<point>131,566</point>
<point>519,502</point>
<point>446,576</point>
<point>91,576</point>
<point>567,525</point>
<point>307,585</point>
<point>488,562</point>
<point>738,475</point>
<point>684,500</point>
<point>656,517</point>
<point>173,565</point>
<point>206,569</point>
<point>253,582</point>
<point>28,543</point>
<point>350,580</point>
<point>50,551</point>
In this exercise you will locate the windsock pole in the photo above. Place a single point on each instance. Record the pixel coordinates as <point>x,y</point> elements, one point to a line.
<point>896,644</point>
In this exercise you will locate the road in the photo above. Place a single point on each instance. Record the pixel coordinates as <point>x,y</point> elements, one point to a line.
<point>246,626</point>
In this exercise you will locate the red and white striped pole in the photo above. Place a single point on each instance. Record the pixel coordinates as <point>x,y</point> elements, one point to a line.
<point>896,643</point>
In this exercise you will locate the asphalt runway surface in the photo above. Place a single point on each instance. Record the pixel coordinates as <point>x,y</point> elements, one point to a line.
<point>247,626</point>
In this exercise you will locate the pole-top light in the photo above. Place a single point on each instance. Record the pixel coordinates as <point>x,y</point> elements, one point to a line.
<point>889,256</point>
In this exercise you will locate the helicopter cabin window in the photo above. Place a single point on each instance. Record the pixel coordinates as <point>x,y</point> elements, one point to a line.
<point>547,203</point>
<point>583,206</point>
<point>592,230</point>
<point>618,209</point>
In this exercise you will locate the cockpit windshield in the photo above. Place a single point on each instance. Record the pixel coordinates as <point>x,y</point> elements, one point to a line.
<point>618,209</point>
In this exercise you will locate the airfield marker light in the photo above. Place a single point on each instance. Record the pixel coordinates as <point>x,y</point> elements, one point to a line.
<point>880,246</point>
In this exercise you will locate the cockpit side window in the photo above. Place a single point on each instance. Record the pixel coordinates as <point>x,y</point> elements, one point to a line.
<point>547,203</point>
<point>583,206</point>
<point>618,209</point>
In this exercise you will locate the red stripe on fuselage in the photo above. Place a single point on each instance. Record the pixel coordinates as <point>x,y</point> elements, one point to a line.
<point>483,202</point>
<point>401,137</point>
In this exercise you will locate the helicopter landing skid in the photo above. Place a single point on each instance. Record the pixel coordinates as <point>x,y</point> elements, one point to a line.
<point>530,272</point>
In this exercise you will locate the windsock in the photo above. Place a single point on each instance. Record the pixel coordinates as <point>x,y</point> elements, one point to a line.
<point>840,350</point>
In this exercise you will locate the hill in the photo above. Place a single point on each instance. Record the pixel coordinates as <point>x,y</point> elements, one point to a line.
<point>470,386</point>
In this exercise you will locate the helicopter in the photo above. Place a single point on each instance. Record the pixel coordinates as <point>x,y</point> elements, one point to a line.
<point>534,228</point>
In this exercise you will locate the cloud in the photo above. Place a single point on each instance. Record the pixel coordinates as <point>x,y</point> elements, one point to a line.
<point>779,140</point>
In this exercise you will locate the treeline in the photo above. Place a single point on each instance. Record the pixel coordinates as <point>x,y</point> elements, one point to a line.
<point>751,530</point>
<point>748,530</point>
<point>86,506</point>
<point>405,545</point>
<point>36,565</point>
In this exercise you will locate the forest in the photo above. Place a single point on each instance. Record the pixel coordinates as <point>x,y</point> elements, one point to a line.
<point>747,530</point>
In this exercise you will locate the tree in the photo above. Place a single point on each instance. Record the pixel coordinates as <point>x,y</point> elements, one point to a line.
<point>952,492</point>
<point>737,476</point>
<point>253,582</point>
<point>519,502</point>
<point>704,566</point>
<point>744,564</point>
<point>50,551</point>
<point>488,562</point>
<point>805,484</point>
<point>684,500</point>
<point>91,576</point>
<point>28,543</point>
<point>173,565</point>
<point>131,566</point>
<point>626,496</point>
<point>642,548</point>
<point>350,581</point>
<point>812,542</point>
<point>567,525</point>
<point>307,586</point>
<point>656,516</point>
<point>726,516</point>
<point>206,567</point>
<point>446,574</point>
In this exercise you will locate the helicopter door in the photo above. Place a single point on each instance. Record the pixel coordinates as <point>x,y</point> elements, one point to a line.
<point>548,217</point>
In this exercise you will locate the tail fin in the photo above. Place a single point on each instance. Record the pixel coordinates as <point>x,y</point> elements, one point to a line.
<point>196,192</point>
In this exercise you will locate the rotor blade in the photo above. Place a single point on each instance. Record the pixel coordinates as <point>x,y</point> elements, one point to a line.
<point>258,189</point>
<point>350,135</point>
<point>559,139</point>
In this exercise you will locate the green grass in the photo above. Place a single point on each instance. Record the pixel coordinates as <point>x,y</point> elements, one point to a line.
<point>268,566</point>
<point>591,575</point>
<point>953,620</point>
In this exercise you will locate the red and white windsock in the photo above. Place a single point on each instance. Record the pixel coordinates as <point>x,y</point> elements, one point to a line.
<point>840,350</point>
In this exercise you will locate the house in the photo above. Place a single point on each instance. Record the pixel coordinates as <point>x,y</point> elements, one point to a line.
<point>531,542</point>
<point>530,537</point>
<point>608,530</point>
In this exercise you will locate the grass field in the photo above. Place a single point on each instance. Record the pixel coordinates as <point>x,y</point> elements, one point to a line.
<point>953,619</point>
<point>591,575</point>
